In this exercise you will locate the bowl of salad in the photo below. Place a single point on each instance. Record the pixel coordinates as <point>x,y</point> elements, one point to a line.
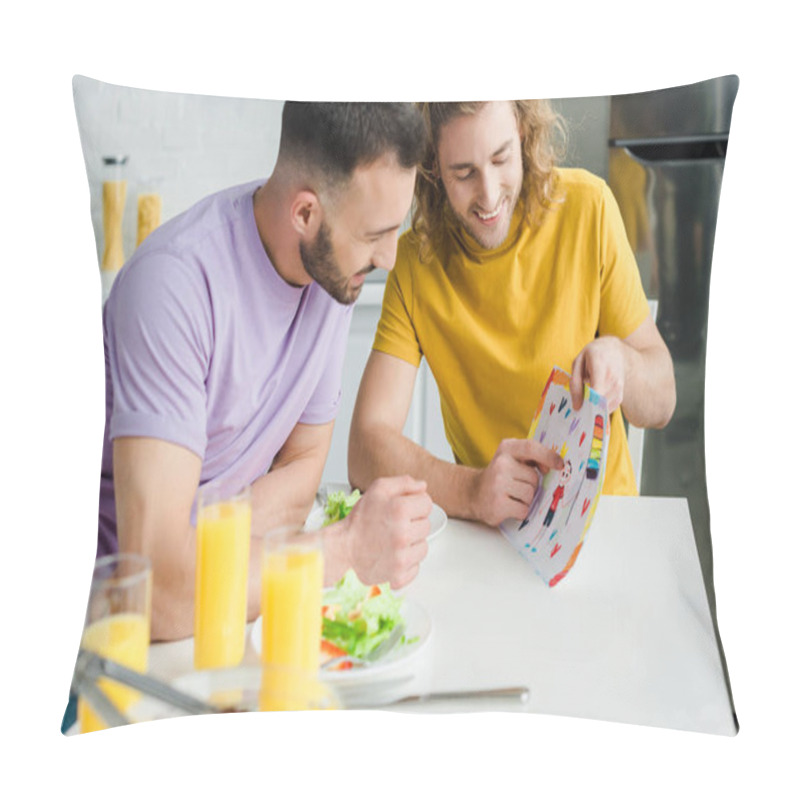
<point>355,618</point>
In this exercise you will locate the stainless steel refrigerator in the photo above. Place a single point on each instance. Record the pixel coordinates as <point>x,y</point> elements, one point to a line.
<point>666,158</point>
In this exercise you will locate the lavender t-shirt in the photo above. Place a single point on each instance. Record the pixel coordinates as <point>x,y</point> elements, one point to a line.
<point>207,347</point>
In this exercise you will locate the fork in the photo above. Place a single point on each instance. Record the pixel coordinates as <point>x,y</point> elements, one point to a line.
<point>375,654</point>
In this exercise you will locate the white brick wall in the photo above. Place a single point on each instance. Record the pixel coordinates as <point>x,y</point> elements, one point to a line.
<point>181,146</point>
<point>187,146</point>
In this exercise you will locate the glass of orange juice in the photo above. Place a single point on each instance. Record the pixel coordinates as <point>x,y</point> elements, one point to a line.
<point>117,626</point>
<point>223,556</point>
<point>291,616</point>
<point>291,601</point>
<point>288,689</point>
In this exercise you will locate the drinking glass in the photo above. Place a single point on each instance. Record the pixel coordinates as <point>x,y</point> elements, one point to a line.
<point>223,555</point>
<point>251,687</point>
<point>117,626</point>
<point>291,598</point>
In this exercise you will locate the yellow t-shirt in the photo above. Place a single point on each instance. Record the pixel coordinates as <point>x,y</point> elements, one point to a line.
<point>493,323</point>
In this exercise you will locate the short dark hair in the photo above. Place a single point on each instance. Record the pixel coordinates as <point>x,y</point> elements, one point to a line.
<point>335,139</point>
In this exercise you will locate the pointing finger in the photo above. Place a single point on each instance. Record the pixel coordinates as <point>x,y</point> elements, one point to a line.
<point>545,458</point>
<point>527,451</point>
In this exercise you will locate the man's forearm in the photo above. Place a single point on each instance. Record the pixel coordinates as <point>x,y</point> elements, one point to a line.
<point>337,550</point>
<point>649,396</point>
<point>172,614</point>
<point>285,494</point>
<point>282,497</point>
<point>382,452</point>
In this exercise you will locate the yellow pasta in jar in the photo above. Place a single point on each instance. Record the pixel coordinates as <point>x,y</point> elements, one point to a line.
<point>149,215</point>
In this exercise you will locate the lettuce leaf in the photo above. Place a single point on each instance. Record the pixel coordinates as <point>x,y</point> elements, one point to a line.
<point>358,620</point>
<point>338,505</point>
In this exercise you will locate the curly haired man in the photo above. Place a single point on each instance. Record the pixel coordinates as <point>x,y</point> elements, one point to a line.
<point>512,266</point>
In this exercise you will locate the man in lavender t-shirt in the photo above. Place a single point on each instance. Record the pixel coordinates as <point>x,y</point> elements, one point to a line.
<point>224,340</point>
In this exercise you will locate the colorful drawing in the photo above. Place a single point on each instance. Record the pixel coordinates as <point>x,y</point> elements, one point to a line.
<point>564,503</point>
<point>558,494</point>
<point>596,452</point>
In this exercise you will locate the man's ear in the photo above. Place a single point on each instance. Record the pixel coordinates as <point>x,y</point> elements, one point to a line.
<point>306,214</point>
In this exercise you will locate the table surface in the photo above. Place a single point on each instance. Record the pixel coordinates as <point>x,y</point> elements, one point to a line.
<point>626,636</point>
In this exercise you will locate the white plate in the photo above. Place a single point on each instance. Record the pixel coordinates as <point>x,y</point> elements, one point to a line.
<point>418,632</point>
<point>438,520</point>
<point>437,517</point>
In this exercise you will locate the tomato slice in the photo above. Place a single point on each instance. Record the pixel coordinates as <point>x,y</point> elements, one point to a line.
<point>328,650</point>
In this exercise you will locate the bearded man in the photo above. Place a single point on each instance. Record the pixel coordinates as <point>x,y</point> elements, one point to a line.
<point>225,337</point>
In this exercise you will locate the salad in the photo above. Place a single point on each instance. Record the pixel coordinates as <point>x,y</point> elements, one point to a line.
<point>357,618</point>
<point>338,505</point>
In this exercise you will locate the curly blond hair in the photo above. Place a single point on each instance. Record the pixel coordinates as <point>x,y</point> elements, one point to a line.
<point>543,146</point>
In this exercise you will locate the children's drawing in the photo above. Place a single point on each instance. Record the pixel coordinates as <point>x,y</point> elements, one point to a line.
<point>558,494</point>
<point>551,535</point>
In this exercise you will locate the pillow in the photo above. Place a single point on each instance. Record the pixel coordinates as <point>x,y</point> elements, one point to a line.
<point>662,154</point>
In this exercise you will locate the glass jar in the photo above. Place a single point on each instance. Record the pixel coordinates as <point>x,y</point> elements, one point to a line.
<point>148,209</point>
<point>115,189</point>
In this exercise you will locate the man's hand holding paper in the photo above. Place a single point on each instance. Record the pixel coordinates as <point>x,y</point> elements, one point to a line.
<point>601,365</point>
<point>505,488</point>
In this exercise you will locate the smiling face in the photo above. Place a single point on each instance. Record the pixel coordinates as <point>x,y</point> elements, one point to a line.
<point>359,230</point>
<point>480,162</point>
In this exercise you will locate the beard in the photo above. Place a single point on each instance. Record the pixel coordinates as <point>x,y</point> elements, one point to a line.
<point>490,238</point>
<point>321,265</point>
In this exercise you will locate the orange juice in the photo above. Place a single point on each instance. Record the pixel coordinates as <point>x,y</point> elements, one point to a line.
<point>123,638</point>
<point>291,601</point>
<point>289,690</point>
<point>220,614</point>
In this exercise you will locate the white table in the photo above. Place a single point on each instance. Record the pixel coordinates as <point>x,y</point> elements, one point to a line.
<point>626,636</point>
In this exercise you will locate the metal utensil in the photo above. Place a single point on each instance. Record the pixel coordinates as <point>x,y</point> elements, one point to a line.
<point>500,698</point>
<point>375,654</point>
<point>90,666</point>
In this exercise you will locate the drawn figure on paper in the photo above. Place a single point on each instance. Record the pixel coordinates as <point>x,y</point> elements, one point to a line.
<point>558,494</point>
